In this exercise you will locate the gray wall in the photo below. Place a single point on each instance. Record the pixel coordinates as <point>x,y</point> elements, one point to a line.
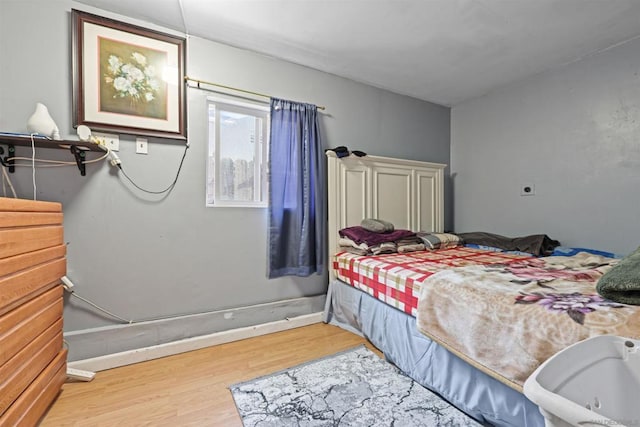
<point>143,256</point>
<point>574,132</point>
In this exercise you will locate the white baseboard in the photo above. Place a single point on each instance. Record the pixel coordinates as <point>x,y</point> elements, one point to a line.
<point>129,357</point>
<point>116,338</point>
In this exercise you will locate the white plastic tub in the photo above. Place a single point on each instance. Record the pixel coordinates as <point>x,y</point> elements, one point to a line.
<point>595,382</point>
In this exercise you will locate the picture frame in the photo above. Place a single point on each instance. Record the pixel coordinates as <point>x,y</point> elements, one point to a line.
<point>127,79</point>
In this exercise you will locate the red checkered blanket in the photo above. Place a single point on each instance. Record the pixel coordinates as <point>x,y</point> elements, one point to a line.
<point>395,279</point>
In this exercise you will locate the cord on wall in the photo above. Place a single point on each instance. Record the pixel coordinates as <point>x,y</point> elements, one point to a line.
<point>118,163</point>
<point>68,286</point>
<point>33,167</point>
<point>105,311</point>
<point>54,163</point>
<point>6,179</point>
<point>32,164</point>
<point>114,160</point>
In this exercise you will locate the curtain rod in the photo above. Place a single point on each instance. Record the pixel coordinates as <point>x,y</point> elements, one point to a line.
<point>189,79</point>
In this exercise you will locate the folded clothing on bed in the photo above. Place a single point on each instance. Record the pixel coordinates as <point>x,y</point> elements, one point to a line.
<point>409,244</point>
<point>401,246</point>
<point>622,282</point>
<point>403,249</point>
<point>433,241</point>
<point>349,245</point>
<point>383,248</point>
<point>536,244</point>
<point>360,235</point>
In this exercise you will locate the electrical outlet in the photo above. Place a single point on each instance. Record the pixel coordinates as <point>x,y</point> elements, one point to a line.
<point>111,141</point>
<point>141,146</point>
<point>527,190</point>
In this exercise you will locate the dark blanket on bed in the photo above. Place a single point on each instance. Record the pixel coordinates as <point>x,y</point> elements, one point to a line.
<point>361,235</point>
<point>622,282</point>
<point>536,244</point>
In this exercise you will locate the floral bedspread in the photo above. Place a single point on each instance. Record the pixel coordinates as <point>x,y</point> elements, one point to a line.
<point>506,319</point>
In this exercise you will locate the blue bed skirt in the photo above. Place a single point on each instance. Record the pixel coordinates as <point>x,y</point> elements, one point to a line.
<point>394,332</point>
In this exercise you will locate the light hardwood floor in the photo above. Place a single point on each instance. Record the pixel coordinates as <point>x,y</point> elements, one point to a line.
<point>190,389</point>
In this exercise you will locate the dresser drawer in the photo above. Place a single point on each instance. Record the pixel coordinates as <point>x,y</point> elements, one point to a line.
<point>23,324</point>
<point>18,288</point>
<point>25,205</point>
<point>16,263</point>
<point>27,410</point>
<point>25,219</point>
<point>19,371</point>
<point>16,241</point>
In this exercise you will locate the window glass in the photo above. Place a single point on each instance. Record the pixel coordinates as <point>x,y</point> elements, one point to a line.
<point>237,156</point>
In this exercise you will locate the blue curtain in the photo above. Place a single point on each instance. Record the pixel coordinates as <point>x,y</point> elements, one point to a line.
<point>297,199</point>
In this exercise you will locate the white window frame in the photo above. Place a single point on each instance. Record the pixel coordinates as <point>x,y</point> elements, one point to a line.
<point>262,170</point>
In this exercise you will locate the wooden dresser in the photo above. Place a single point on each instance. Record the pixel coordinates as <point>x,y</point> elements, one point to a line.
<point>32,261</point>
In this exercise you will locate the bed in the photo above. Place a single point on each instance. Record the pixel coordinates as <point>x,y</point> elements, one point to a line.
<point>426,310</point>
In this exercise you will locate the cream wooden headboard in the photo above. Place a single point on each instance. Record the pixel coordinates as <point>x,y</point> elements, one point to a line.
<point>408,193</point>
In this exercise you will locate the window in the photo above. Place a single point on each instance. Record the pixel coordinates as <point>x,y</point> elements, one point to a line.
<point>237,156</point>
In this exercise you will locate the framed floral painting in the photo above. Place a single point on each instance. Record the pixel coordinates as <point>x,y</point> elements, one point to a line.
<point>127,79</point>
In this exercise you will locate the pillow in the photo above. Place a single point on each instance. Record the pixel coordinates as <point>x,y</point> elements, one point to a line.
<point>434,241</point>
<point>377,225</point>
<point>622,282</point>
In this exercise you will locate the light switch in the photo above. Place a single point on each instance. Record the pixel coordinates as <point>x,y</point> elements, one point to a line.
<point>141,146</point>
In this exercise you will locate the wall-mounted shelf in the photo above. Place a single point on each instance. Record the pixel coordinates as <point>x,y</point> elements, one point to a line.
<point>77,148</point>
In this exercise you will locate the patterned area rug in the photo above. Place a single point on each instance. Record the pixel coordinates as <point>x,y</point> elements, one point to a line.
<point>352,388</point>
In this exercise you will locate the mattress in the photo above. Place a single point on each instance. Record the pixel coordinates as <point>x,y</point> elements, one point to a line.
<point>395,334</point>
<point>395,279</point>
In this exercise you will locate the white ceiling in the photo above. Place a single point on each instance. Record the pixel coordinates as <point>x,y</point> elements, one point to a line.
<point>443,51</point>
